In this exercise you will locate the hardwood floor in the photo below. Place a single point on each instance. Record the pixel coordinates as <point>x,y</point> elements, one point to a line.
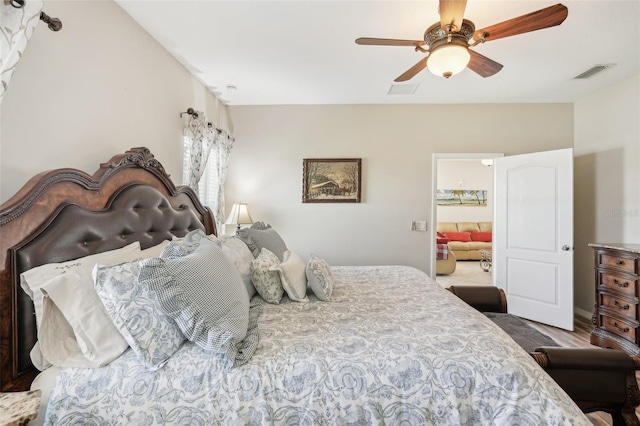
<point>578,339</point>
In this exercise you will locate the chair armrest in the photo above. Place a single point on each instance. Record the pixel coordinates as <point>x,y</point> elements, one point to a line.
<point>589,359</point>
<point>596,378</point>
<point>482,298</point>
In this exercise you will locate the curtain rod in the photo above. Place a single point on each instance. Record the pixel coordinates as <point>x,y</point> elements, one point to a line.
<point>193,112</point>
<point>54,24</point>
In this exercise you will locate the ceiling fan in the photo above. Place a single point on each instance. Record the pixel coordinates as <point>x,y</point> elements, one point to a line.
<point>448,42</point>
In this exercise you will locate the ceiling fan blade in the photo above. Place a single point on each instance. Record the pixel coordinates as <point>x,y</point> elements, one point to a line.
<point>451,14</point>
<point>543,18</point>
<point>408,74</point>
<point>482,65</point>
<point>389,42</point>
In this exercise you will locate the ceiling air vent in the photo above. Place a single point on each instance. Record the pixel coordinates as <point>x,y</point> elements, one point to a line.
<point>592,71</point>
<point>403,89</point>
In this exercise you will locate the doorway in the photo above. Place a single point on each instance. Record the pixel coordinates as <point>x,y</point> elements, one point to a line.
<point>449,173</point>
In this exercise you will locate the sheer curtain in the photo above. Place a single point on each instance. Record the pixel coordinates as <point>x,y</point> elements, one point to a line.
<point>198,140</point>
<point>16,26</point>
<point>205,162</point>
<point>220,155</point>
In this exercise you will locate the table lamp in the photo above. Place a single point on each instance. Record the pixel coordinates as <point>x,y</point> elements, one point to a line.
<point>239,215</point>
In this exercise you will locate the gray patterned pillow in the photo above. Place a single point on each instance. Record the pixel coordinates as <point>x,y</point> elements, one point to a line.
<point>266,282</point>
<point>135,311</point>
<point>261,236</point>
<point>203,292</point>
<point>320,277</point>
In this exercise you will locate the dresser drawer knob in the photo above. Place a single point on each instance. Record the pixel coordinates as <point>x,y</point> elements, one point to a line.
<point>619,262</point>
<point>619,306</point>
<point>619,284</point>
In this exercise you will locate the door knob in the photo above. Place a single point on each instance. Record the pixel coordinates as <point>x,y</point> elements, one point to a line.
<point>566,247</point>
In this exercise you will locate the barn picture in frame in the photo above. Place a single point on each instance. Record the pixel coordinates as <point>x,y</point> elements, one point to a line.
<point>331,180</point>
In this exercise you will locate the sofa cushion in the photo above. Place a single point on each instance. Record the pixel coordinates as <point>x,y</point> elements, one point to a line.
<point>447,227</point>
<point>468,227</point>
<point>458,246</point>
<point>479,245</point>
<point>481,236</point>
<point>458,236</point>
<point>485,226</point>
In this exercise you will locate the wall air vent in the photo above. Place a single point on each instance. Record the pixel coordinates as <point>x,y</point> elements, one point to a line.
<point>592,71</point>
<point>402,89</point>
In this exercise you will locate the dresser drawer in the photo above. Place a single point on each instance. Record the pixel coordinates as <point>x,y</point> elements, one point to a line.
<point>612,260</point>
<point>619,305</point>
<point>619,327</point>
<point>619,283</point>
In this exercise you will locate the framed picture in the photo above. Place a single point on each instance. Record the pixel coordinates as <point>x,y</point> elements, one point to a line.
<point>331,180</point>
<point>462,197</point>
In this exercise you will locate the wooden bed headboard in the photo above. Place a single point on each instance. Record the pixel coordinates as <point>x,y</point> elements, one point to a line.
<point>65,214</point>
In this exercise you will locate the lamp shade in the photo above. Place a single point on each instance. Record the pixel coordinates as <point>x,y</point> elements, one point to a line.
<point>239,215</point>
<point>448,59</point>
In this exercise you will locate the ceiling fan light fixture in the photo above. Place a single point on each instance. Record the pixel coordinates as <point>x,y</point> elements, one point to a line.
<point>448,59</point>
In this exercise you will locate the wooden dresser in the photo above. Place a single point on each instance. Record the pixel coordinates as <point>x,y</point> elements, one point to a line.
<point>616,315</point>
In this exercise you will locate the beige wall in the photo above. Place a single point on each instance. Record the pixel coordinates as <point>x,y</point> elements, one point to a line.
<point>98,87</point>
<point>396,143</point>
<point>607,177</point>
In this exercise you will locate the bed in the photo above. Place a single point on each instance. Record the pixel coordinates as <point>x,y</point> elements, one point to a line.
<point>390,346</point>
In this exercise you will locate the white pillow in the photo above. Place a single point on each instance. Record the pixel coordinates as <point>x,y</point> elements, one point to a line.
<point>76,330</point>
<point>239,254</point>
<point>293,276</point>
<point>32,280</point>
<point>153,251</point>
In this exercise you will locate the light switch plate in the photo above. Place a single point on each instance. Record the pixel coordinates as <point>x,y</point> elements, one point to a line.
<point>419,225</point>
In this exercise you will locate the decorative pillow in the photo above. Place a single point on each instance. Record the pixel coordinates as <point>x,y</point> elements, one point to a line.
<point>464,237</point>
<point>261,236</point>
<point>320,277</point>
<point>260,225</point>
<point>441,238</point>
<point>32,280</point>
<point>481,236</point>
<point>266,281</point>
<point>76,323</point>
<point>238,253</point>
<point>202,292</point>
<point>292,272</point>
<point>135,311</point>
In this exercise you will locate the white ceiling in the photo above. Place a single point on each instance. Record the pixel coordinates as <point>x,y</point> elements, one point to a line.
<point>304,52</point>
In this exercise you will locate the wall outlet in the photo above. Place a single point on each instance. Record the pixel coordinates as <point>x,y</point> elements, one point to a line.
<point>419,225</point>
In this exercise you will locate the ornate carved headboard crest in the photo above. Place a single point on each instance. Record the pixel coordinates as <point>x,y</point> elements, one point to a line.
<point>137,157</point>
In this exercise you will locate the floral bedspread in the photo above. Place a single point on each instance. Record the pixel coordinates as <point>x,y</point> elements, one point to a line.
<point>392,347</point>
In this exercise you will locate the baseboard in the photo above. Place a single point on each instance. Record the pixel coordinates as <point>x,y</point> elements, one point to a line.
<point>582,313</point>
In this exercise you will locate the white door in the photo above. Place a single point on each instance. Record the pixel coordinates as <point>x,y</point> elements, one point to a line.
<point>533,248</point>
